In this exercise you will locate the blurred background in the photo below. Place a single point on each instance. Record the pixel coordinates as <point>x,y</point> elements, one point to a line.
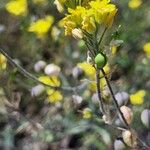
<point>33,117</point>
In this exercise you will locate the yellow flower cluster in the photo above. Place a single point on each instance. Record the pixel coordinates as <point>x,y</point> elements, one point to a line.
<point>54,96</point>
<point>41,26</point>
<point>146,48</point>
<point>133,4</point>
<point>17,7</point>
<point>3,62</point>
<point>138,97</point>
<point>87,18</point>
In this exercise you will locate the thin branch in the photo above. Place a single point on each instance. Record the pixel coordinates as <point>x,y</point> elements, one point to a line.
<point>119,111</point>
<point>143,143</point>
<point>114,99</point>
<point>35,79</point>
<point>99,92</point>
<point>101,38</point>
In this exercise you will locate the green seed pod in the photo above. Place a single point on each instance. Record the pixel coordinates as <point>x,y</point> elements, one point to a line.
<point>100,60</point>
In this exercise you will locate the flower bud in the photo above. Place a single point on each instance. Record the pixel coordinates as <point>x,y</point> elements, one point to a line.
<point>145,118</point>
<point>52,70</point>
<point>127,113</point>
<point>77,33</point>
<point>59,6</point>
<point>39,65</point>
<point>77,72</point>
<point>119,145</point>
<point>129,138</point>
<point>122,98</point>
<point>37,90</point>
<point>100,60</point>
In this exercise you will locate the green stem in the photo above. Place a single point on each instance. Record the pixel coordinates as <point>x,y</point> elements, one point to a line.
<point>114,99</point>
<point>101,38</point>
<point>99,92</point>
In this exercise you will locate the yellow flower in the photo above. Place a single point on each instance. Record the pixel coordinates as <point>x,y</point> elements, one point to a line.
<point>74,19</point>
<point>114,49</point>
<point>147,49</point>
<point>87,113</point>
<point>17,7</point>
<point>52,81</point>
<point>88,24</point>
<point>41,26</point>
<point>54,96</point>
<point>134,3</point>
<point>69,26</point>
<point>39,2</point>
<point>88,69</point>
<point>138,97</point>
<point>3,62</point>
<point>104,12</point>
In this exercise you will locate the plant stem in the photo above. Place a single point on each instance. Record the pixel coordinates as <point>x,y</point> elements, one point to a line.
<point>99,92</point>
<point>101,38</point>
<point>114,99</point>
<point>34,78</point>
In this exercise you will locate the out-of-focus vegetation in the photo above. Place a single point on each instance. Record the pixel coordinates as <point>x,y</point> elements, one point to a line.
<point>34,117</point>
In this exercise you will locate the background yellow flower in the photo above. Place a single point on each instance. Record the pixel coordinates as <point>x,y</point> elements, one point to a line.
<point>54,96</point>
<point>134,3</point>
<point>52,81</point>
<point>41,26</point>
<point>17,7</point>
<point>138,97</point>
<point>3,62</point>
<point>146,48</point>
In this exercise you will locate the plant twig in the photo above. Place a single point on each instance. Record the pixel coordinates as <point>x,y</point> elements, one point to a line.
<point>102,36</point>
<point>119,111</point>
<point>35,79</point>
<point>114,99</point>
<point>99,92</point>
